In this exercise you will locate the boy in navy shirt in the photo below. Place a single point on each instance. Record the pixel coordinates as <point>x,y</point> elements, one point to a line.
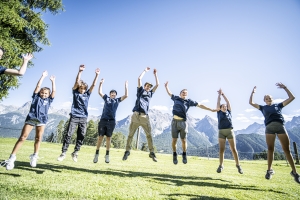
<point>274,123</point>
<point>107,122</point>
<point>179,124</point>
<point>140,114</point>
<point>21,71</point>
<point>38,117</point>
<point>79,114</point>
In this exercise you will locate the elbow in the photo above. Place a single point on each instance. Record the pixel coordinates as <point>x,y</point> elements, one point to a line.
<point>20,73</point>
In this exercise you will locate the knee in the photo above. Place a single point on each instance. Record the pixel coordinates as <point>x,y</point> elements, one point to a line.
<point>38,139</point>
<point>271,148</point>
<point>22,138</point>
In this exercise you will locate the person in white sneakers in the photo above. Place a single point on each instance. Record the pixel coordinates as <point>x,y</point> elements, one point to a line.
<point>107,122</point>
<point>38,117</point>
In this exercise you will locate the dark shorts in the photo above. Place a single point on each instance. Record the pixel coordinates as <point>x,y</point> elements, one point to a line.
<point>179,127</point>
<point>2,69</point>
<point>226,133</point>
<point>275,127</point>
<point>106,127</point>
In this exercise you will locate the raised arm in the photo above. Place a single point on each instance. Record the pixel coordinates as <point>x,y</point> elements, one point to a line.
<point>97,72</point>
<point>126,91</point>
<point>219,99</point>
<point>52,78</point>
<point>167,88</point>
<point>226,100</point>
<point>22,70</point>
<point>141,76</point>
<point>206,108</point>
<point>100,88</point>
<point>255,105</point>
<point>38,85</point>
<point>156,80</point>
<point>291,96</point>
<point>77,81</point>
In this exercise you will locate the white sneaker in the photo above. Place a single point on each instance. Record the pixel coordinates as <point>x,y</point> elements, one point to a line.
<point>33,160</point>
<point>61,157</point>
<point>74,156</point>
<point>10,163</point>
<point>96,158</point>
<point>107,158</point>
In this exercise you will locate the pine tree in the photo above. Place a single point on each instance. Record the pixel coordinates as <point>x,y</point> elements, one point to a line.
<point>22,30</point>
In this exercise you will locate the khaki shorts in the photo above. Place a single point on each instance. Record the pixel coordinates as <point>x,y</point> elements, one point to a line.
<point>179,127</point>
<point>226,133</point>
<point>275,127</point>
<point>34,122</point>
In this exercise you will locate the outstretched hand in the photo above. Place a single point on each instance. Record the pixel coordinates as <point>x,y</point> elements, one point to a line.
<point>280,85</point>
<point>45,73</point>
<point>254,89</point>
<point>27,56</point>
<point>52,78</point>
<point>154,71</point>
<point>220,92</point>
<point>102,81</point>
<point>166,84</point>
<point>81,68</point>
<point>147,69</point>
<point>97,71</point>
<point>126,83</point>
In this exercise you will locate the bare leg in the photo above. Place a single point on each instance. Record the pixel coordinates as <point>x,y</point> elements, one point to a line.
<point>184,144</point>
<point>108,140</point>
<point>24,134</point>
<point>234,151</point>
<point>285,144</point>
<point>99,142</point>
<point>270,139</point>
<point>221,150</point>
<point>174,144</point>
<point>39,130</point>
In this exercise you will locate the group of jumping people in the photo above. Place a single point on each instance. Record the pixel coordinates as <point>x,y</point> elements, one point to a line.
<point>43,97</point>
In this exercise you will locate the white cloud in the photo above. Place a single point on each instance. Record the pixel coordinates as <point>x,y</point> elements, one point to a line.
<point>66,104</point>
<point>250,110</point>
<point>102,103</point>
<point>204,101</point>
<point>242,119</point>
<point>160,108</point>
<point>240,114</point>
<point>288,117</point>
<point>278,100</point>
<point>91,108</point>
<point>297,110</point>
<point>256,117</point>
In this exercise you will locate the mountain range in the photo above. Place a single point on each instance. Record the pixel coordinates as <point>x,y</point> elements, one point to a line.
<point>202,135</point>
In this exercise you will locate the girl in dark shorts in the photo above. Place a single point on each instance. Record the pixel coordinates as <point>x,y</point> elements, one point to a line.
<point>226,131</point>
<point>274,122</point>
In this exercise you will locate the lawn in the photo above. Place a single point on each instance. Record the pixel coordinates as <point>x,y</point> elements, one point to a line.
<point>138,177</point>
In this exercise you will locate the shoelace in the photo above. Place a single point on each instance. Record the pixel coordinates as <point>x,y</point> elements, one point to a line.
<point>4,163</point>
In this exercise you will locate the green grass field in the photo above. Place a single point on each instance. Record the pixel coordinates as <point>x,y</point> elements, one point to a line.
<point>138,177</point>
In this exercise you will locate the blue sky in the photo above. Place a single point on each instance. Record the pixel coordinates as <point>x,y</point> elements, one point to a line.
<point>198,45</point>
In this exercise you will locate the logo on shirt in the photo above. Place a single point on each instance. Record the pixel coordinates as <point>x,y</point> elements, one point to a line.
<point>45,103</point>
<point>276,108</point>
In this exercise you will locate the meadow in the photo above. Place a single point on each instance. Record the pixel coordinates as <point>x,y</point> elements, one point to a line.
<point>138,177</point>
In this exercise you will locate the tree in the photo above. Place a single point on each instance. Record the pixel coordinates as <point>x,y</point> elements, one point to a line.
<point>91,134</point>
<point>59,132</point>
<point>22,30</point>
<point>118,140</point>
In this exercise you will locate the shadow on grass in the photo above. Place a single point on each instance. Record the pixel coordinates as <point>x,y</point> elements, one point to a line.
<point>10,174</point>
<point>160,178</point>
<point>194,197</point>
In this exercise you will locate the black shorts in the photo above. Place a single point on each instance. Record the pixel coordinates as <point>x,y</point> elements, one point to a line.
<point>275,127</point>
<point>106,127</point>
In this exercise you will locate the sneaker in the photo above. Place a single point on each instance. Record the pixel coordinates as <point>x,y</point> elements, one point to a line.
<point>152,155</point>
<point>74,156</point>
<point>107,158</point>
<point>175,161</point>
<point>96,158</point>
<point>61,157</point>
<point>239,169</point>
<point>296,177</point>
<point>10,163</point>
<point>126,154</point>
<point>269,174</point>
<point>33,160</point>
<point>220,169</point>
<point>184,158</point>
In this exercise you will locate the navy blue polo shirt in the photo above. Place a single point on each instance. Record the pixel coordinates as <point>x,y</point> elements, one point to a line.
<point>80,104</point>
<point>224,119</point>
<point>143,100</point>
<point>110,107</point>
<point>39,108</point>
<point>2,69</point>
<point>181,106</point>
<point>272,113</point>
